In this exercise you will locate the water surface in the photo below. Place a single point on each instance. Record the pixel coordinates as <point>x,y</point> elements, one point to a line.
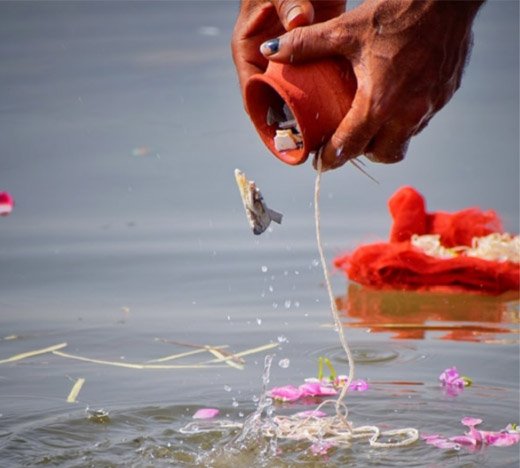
<point>121,125</point>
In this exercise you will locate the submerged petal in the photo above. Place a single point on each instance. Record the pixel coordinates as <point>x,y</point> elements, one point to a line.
<point>358,385</point>
<point>311,413</point>
<point>441,442</point>
<point>321,448</point>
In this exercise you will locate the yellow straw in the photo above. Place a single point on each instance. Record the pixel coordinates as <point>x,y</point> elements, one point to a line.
<point>75,390</point>
<point>28,354</point>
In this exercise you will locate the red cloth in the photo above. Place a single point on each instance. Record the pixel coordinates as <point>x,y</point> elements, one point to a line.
<point>398,265</point>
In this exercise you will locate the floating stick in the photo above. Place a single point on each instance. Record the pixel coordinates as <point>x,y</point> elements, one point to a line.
<point>229,360</point>
<point>76,388</point>
<point>130,365</point>
<point>259,349</point>
<point>28,354</point>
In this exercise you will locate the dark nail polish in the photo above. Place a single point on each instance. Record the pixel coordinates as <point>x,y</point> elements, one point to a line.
<point>270,47</point>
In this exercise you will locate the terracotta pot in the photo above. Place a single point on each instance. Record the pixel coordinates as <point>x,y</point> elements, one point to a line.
<point>319,95</point>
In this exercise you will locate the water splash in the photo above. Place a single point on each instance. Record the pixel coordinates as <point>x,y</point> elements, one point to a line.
<point>253,428</point>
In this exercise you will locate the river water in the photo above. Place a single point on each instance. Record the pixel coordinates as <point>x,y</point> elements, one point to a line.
<point>121,125</point>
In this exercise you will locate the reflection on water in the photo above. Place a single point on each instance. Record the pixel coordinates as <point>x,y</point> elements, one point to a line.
<point>460,317</point>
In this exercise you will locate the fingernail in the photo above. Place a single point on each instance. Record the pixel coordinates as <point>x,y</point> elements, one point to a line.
<point>270,47</point>
<point>296,18</point>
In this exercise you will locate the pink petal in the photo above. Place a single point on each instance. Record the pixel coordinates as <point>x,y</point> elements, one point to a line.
<point>311,413</point>
<point>6,203</point>
<point>321,448</point>
<point>340,380</point>
<point>449,375</point>
<point>327,391</point>
<point>428,437</point>
<point>286,393</point>
<point>314,380</point>
<point>458,382</point>
<point>310,388</point>
<point>358,385</point>
<point>464,440</point>
<point>315,389</point>
<point>470,422</point>
<point>443,443</point>
<point>504,439</point>
<point>206,413</point>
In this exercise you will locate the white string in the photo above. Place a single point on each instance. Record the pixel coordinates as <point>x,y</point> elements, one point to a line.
<point>333,307</point>
<point>335,429</point>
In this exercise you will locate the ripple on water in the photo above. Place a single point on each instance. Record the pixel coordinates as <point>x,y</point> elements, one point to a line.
<point>153,436</point>
<point>372,353</point>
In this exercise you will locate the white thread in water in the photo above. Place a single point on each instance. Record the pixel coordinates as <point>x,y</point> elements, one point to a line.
<point>336,429</point>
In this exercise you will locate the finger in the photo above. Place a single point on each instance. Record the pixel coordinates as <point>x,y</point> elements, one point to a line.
<point>294,13</point>
<point>327,39</point>
<point>390,144</point>
<point>353,134</point>
<point>245,71</point>
<point>327,9</point>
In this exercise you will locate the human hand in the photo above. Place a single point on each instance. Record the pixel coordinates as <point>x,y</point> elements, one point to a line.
<point>408,57</point>
<point>260,20</point>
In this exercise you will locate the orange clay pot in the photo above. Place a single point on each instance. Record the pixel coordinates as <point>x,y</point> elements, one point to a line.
<point>319,95</point>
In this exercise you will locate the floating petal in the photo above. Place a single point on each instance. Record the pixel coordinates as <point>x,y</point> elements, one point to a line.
<point>206,413</point>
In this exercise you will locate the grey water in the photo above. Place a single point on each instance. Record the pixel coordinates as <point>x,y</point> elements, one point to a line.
<point>121,124</point>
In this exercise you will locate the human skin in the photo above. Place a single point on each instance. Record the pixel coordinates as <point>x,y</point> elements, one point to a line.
<point>408,57</point>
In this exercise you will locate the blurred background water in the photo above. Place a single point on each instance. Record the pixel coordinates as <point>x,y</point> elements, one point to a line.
<point>121,124</point>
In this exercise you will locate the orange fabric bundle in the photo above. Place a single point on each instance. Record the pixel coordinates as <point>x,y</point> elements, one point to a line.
<point>399,265</point>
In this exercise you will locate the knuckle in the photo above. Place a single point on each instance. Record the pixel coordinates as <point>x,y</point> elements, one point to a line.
<point>297,42</point>
<point>395,154</point>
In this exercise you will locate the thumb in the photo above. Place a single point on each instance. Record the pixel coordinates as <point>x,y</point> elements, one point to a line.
<point>294,13</point>
<point>321,40</point>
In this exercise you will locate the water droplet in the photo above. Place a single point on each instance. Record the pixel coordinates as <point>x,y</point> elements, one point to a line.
<point>275,305</point>
<point>240,414</point>
<point>227,388</point>
<point>296,272</point>
<point>285,273</point>
<point>282,339</point>
<point>255,399</point>
<point>259,321</point>
<point>284,363</point>
<point>271,289</point>
<point>296,304</point>
<point>287,304</point>
<point>264,269</point>
<point>315,262</point>
<point>229,317</point>
<point>234,404</point>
